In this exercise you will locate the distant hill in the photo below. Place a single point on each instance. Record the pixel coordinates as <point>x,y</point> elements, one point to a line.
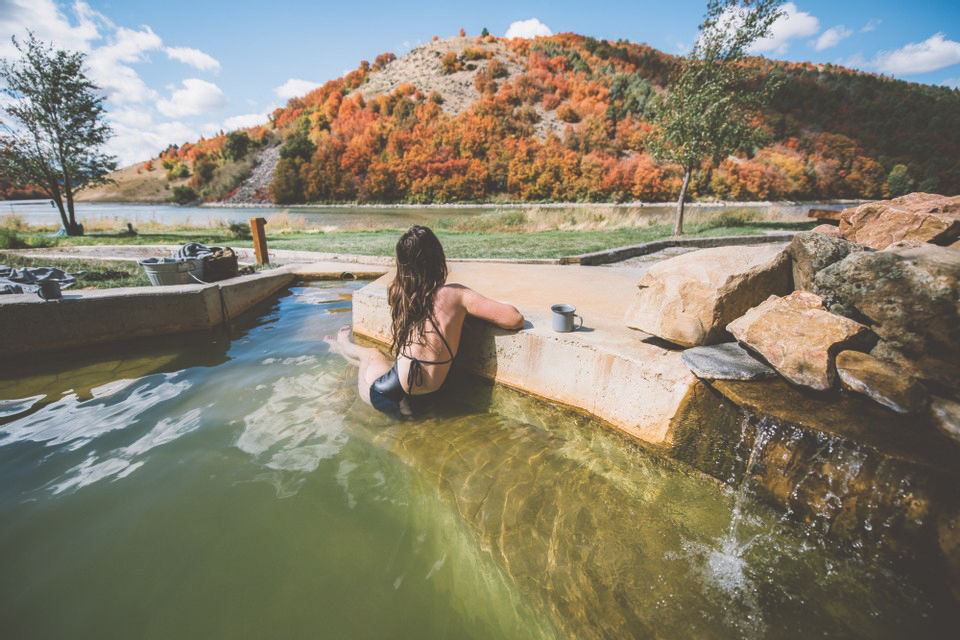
<point>566,118</point>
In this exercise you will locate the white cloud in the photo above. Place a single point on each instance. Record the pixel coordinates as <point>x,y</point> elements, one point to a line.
<point>531,28</point>
<point>197,97</point>
<point>135,143</point>
<point>856,61</point>
<point>110,65</point>
<point>294,88</point>
<point>871,25</point>
<point>48,23</point>
<point>193,57</point>
<point>244,121</point>
<point>936,52</point>
<point>831,37</point>
<point>792,24</point>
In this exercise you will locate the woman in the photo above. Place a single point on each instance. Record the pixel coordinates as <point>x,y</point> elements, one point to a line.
<point>428,317</point>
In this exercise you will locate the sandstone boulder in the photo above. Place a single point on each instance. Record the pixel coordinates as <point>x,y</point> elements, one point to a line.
<point>916,218</point>
<point>798,337</point>
<point>910,297</point>
<point>689,299</point>
<point>810,252</point>
<point>828,230</point>
<point>881,382</point>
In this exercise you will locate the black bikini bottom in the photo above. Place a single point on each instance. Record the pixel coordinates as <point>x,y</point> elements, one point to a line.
<point>388,396</point>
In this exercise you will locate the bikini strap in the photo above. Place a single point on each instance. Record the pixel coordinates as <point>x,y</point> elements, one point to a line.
<point>415,375</point>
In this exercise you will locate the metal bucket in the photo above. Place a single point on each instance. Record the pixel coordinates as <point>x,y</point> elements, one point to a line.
<point>163,271</point>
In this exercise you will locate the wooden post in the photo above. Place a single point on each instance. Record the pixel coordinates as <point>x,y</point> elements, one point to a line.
<point>259,240</point>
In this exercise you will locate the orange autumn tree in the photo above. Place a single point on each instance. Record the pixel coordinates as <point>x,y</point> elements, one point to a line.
<point>517,138</point>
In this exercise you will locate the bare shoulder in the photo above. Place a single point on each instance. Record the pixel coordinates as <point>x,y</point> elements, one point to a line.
<point>452,292</point>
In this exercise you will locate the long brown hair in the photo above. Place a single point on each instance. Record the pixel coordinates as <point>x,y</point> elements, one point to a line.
<point>421,271</point>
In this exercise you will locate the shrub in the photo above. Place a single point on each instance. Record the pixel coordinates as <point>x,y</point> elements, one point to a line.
<point>484,33</point>
<point>183,195</point>
<point>203,170</point>
<point>435,97</point>
<point>450,63</point>
<point>497,69</point>
<point>568,114</point>
<point>475,54</point>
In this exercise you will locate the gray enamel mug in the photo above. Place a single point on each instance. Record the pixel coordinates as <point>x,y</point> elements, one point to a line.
<point>563,318</point>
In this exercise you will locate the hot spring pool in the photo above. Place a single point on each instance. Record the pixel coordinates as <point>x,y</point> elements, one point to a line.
<point>236,487</point>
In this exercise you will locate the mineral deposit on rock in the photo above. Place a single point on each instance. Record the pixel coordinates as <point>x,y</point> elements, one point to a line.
<point>689,299</point>
<point>798,337</point>
<point>916,218</point>
<point>910,297</point>
<point>810,252</point>
<point>882,382</point>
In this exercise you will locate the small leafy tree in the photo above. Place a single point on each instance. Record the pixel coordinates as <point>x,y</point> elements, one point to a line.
<point>54,125</point>
<point>714,96</point>
<point>237,145</point>
<point>899,181</point>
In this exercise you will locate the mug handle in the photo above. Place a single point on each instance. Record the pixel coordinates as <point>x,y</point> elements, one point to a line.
<point>580,318</point>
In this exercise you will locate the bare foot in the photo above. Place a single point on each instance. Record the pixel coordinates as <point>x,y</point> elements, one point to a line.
<point>341,344</point>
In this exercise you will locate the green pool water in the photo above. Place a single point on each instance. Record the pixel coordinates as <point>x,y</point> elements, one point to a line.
<point>235,486</point>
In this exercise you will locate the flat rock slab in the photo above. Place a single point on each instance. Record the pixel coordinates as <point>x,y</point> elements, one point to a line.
<point>727,361</point>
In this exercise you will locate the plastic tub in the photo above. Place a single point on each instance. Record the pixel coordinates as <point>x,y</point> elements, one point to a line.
<point>163,271</point>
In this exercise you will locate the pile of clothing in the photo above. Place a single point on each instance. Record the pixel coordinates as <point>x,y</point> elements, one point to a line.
<point>28,279</point>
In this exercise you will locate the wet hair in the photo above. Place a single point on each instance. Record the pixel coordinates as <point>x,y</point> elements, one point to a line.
<point>421,271</point>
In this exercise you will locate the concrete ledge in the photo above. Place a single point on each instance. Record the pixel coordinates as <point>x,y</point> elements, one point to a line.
<point>608,256</point>
<point>29,324</point>
<point>606,370</point>
<point>337,271</point>
<point>239,294</point>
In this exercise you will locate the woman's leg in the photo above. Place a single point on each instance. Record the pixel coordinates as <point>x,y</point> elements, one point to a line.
<point>371,362</point>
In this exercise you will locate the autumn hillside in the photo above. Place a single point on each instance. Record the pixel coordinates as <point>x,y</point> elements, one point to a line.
<point>566,118</point>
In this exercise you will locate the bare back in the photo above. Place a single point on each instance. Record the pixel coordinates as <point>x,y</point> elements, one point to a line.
<point>452,304</point>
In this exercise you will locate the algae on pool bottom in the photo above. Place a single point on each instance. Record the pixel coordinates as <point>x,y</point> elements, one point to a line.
<point>237,486</point>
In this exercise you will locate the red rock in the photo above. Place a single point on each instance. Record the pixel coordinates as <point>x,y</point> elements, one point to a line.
<point>915,219</point>
<point>690,298</point>
<point>798,337</point>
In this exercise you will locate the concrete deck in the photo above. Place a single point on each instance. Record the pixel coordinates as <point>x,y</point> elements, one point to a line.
<point>605,369</point>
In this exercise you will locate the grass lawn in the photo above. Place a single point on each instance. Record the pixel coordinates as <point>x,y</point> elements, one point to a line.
<point>457,244</point>
<point>98,274</point>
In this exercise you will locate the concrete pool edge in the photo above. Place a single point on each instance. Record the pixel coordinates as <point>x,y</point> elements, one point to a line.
<point>32,325</point>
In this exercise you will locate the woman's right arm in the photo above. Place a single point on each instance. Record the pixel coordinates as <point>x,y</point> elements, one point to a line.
<point>501,314</point>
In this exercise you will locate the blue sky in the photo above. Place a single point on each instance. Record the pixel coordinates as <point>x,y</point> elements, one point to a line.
<point>174,70</point>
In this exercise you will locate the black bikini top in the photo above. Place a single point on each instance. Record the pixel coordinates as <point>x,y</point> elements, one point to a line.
<point>415,376</point>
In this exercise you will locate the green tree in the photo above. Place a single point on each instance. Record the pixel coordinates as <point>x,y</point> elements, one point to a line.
<point>53,125</point>
<point>237,145</point>
<point>899,181</point>
<point>713,96</point>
